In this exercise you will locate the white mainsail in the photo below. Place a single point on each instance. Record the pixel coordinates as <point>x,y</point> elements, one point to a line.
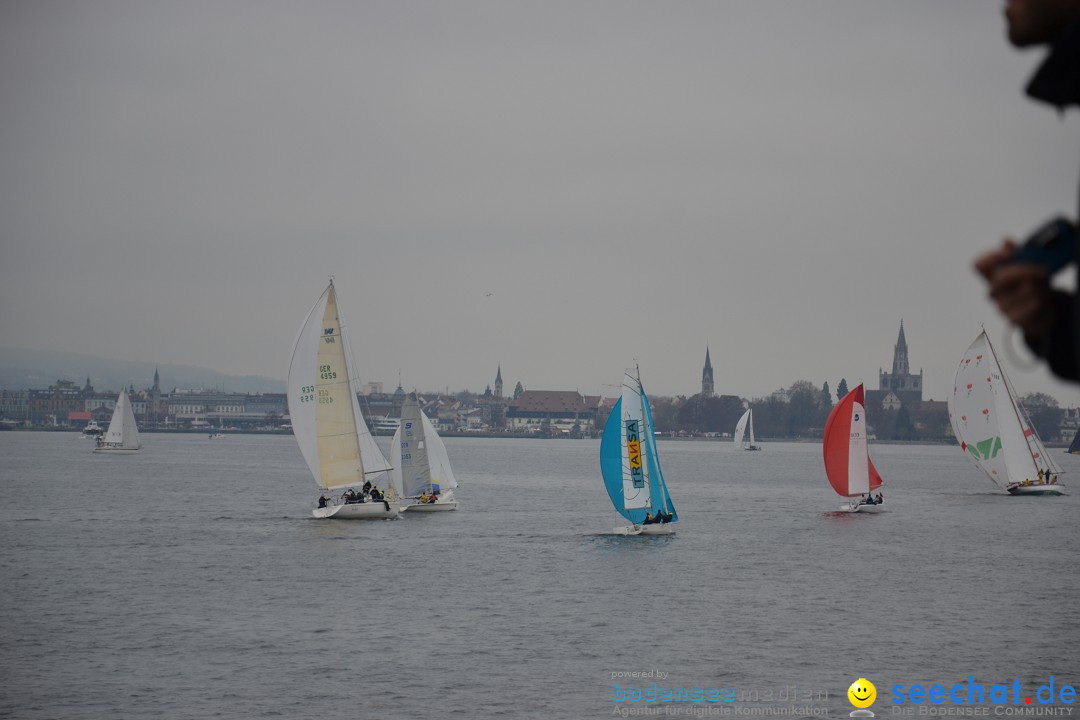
<point>323,405</point>
<point>989,423</point>
<point>122,432</point>
<point>858,465</point>
<point>635,429</point>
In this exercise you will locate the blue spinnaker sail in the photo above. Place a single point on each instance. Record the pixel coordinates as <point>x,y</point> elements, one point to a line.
<point>611,466</point>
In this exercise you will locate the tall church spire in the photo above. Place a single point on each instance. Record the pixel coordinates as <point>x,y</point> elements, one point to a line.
<point>901,379</point>
<point>498,382</point>
<point>900,354</point>
<point>707,376</point>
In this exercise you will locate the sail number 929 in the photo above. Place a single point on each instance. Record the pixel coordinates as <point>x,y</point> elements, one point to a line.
<point>308,394</point>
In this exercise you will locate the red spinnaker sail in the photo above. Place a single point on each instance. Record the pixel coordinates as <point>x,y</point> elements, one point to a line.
<point>875,479</point>
<point>835,444</point>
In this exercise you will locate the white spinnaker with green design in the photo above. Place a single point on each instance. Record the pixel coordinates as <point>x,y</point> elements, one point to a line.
<point>988,422</point>
<point>325,413</point>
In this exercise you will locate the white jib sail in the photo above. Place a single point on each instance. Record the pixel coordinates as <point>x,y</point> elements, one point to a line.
<point>740,428</point>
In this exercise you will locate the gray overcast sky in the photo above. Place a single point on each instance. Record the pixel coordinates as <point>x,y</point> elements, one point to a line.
<point>561,187</point>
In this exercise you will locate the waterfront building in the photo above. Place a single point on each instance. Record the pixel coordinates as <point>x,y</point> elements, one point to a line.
<point>15,405</point>
<point>555,410</point>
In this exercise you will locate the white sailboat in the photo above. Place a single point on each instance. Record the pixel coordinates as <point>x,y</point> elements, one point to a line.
<point>123,434</point>
<point>745,422</point>
<point>326,419</point>
<point>994,430</point>
<point>421,465</point>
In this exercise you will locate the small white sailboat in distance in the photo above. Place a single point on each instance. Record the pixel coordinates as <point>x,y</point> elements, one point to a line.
<point>848,466</point>
<point>994,430</point>
<point>746,422</point>
<point>630,467</point>
<point>421,465</point>
<point>123,434</point>
<point>327,423</point>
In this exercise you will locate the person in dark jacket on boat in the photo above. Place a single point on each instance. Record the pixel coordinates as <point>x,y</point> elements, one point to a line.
<point>322,501</point>
<point>1049,318</point>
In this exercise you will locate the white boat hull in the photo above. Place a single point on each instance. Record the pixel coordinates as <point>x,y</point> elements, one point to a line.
<point>851,508</point>
<point>1054,489</point>
<point>116,450</point>
<point>445,503</point>
<point>651,529</point>
<point>439,506</point>
<point>357,511</point>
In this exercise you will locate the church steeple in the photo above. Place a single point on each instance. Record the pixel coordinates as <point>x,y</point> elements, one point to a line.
<point>900,354</point>
<point>498,382</point>
<point>901,379</point>
<point>707,376</point>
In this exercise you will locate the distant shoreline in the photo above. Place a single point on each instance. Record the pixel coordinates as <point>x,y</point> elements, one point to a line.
<point>509,436</point>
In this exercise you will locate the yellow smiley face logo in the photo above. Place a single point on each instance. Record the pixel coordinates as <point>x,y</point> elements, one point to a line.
<point>862,693</point>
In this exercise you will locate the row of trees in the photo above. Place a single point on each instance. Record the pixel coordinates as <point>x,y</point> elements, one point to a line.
<point>800,411</point>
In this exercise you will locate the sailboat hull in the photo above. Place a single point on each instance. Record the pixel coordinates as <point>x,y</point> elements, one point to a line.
<point>851,508</point>
<point>1054,489</point>
<point>357,511</point>
<point>116,450</point>
<point>660,529</point>
<point>439,506</point>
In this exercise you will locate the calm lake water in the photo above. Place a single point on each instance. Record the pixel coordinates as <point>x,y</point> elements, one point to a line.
<point>190,581</point>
